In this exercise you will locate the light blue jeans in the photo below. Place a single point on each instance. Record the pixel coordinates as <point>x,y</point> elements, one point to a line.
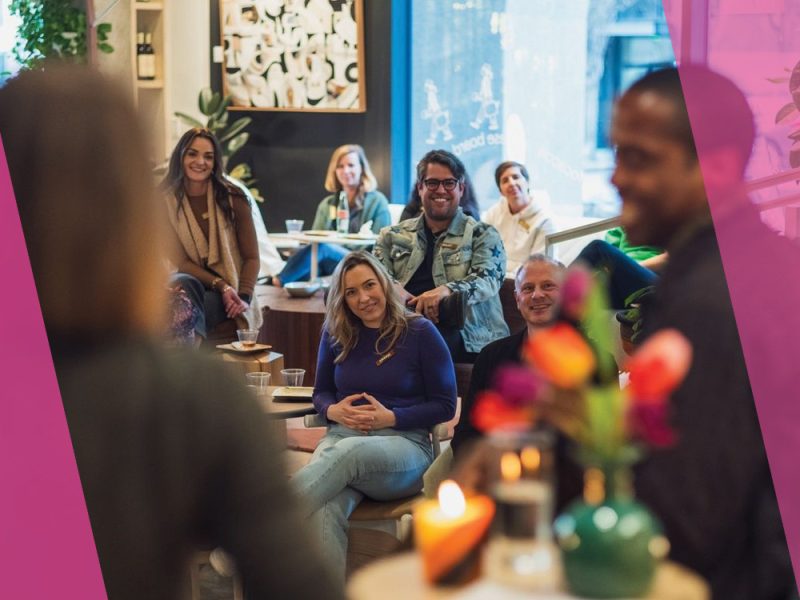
<point>346,466</point>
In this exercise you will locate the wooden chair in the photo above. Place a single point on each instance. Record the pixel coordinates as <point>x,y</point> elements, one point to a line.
<point>511,314</point>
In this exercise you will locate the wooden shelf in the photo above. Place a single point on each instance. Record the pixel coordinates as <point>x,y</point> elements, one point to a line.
<point>150,84</point>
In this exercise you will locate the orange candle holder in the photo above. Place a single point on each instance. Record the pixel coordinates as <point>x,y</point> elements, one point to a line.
<point>450,533</point>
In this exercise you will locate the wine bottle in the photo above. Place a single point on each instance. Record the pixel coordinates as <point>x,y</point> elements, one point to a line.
<point>141,67</point>
<point>149,58</point>
<point>343,214</point>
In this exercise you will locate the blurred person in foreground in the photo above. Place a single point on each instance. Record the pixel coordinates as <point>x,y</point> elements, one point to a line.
<point>713,490</point>
<point>172,454</point>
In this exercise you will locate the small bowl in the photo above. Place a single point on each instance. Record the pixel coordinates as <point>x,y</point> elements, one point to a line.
<point>302,289</point>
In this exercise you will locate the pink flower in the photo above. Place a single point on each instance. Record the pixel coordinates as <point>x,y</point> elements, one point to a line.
<point>518,385</point>
<point>575,291</point>
<point>649,423</point>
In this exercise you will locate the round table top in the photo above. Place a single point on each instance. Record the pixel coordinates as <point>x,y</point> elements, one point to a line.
<point>401,577</point>
<point>333,237</point>
<point>284,410</point>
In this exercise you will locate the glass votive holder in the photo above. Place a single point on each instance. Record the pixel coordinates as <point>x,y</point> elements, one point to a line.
<point>259,382</point>
<point>521,483</point>
<point>293,377</point>
<point>247,337</point>
<point>294,225</point>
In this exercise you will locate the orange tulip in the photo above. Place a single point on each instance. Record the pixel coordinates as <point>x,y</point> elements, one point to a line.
<point>561,355</point>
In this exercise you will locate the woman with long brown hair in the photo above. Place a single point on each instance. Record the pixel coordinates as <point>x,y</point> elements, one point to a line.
<point>216,248</point>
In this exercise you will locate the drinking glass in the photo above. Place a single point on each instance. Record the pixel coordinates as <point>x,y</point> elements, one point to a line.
<point>293,377</point>
<point>259,381</point>
<point>294,225</point>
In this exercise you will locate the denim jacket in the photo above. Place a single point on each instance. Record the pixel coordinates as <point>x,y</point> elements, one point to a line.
<point>468,258</point>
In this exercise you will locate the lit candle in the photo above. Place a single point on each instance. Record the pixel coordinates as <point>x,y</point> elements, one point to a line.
<point>449,533</point>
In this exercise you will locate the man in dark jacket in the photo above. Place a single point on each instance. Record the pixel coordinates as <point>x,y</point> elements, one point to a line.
<point>713,490</point>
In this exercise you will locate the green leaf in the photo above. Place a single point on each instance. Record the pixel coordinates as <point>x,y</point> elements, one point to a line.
<point>786,111</point>
<point>234,129</point>
<point>237,143</point>
<point>597,325</point>
<point>104,29</point>
<point>213,105</point>
<point>206,95</point>
<point>106,48</point>
<point>189,119</point>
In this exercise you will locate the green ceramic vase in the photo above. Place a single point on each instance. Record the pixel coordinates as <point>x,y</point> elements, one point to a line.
<point>610,543</point>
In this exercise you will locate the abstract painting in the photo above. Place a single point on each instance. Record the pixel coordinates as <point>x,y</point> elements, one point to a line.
<point>296,55</point>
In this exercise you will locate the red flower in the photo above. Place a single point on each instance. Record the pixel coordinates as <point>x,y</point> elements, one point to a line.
<point>518,386</point>
<point>492,412</point>
<point>649,423</point>
<point>658,367</point>
<point>561,355</point>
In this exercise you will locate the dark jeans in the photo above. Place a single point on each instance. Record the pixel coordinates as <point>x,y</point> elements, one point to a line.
<point>209,302</point>
<point>455,343</point>
<point>625,275</point>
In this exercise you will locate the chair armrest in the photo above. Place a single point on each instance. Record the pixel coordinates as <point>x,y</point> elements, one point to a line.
<point>315,420</point>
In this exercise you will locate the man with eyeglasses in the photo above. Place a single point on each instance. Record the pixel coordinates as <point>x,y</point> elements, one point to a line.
<point>445,252</point>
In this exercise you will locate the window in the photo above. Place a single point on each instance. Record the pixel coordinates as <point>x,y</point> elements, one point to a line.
<point>532,81</point>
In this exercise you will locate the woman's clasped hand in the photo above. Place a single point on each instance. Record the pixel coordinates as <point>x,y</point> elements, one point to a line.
<point>367,416</point>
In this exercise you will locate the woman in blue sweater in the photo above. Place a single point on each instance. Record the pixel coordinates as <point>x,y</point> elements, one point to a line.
<point>384,377</point>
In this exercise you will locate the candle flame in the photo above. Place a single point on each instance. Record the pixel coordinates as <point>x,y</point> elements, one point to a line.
<point>531,458</point>
<point>510,467</point>
<point>451,499</point>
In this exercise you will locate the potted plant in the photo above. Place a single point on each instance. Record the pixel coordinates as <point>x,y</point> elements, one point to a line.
<point>53,29</point>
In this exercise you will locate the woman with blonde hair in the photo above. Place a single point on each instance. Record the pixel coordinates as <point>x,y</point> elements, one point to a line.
<point>349,175</point>
<point>384,377</point>
<point>171,452</point>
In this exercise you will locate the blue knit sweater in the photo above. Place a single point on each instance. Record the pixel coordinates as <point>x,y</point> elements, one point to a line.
<point>417,382</point>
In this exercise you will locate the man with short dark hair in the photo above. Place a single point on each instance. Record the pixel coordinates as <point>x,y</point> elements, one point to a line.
<point>713,490</point>
<point>444,251</point>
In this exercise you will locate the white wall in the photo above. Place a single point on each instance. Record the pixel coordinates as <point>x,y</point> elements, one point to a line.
<point>187,39</point>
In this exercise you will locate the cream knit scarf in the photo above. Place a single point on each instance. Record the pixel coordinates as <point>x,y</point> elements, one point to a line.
<point>219,253</point>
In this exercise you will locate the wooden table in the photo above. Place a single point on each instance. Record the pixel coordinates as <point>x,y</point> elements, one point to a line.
<point>400,577</point>
<point>278,412</point>
<point>293,327</point>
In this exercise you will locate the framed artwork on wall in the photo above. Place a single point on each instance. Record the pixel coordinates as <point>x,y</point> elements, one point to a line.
<point>294,55</point>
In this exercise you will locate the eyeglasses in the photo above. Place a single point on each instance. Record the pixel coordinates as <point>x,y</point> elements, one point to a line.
<point>433,184</point>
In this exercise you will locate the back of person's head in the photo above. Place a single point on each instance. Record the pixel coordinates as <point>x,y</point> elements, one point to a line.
<point>77,158</point>
<point>720,114</point>
<point>501,168</point>
<point>368,181</point>
<point>444,158</point>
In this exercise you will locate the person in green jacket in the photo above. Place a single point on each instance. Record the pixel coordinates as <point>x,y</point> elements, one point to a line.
<point>348,173</point>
